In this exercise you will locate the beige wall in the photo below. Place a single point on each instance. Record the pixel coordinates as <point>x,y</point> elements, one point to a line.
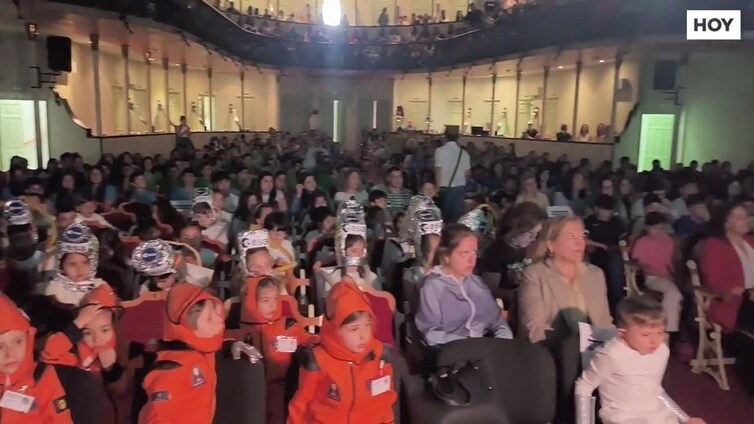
<point>595,98</point>
<point>596,153</point>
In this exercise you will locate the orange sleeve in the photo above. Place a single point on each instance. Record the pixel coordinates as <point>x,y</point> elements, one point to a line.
<point>58,347</point>
<point>309,378</point>
<point>51,399</point>
<point>303,337</point>
<point>163,396</point>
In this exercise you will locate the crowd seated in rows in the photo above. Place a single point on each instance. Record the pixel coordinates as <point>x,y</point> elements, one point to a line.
<point>333,273</point>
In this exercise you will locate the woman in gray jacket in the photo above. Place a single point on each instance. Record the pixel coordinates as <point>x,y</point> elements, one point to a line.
<point>455,304</point>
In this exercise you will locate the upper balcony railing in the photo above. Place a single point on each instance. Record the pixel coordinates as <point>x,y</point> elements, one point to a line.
<point>563,25</point>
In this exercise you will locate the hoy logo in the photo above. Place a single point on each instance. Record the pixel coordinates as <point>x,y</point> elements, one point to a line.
<point>713,24</point>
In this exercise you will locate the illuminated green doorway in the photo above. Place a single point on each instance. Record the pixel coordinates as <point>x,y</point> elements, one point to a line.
<point>656,140</point>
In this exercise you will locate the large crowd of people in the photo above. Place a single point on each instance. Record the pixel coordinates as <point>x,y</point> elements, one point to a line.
<point>423,27</point>
<point>332,266</point>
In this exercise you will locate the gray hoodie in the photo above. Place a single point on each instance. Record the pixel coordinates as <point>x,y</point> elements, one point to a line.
<point>449,310</point>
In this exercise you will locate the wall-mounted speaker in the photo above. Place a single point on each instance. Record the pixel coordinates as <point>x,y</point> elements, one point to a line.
<point>664,74</point>
<point>59,53</point>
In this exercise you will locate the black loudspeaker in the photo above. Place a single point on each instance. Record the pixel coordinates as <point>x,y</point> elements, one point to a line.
<point>664,75</point>
<point>59,53</point>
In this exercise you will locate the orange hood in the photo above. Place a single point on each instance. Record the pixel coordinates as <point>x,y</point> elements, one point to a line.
<point>14,319</point>
<point>180,299</point>
<point>249,312</point>
<point>344,299</point>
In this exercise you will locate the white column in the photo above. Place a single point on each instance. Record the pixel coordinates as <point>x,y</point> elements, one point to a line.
<point>94,41</point>
<point>518,91</point>
<point>574,127</point>
<point>126,87</point>
<point>429,103</point>
<point>242,76</point>
<point>36,96</point>
<point>166,72</point>
<point>492,107</point>
<point>150,119</point>
<point>211,103</point>
<point>544,101</point>
<point>463,105</point>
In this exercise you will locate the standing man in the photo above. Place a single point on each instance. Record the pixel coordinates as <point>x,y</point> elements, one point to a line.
<point>452,165</point>
<point>314,124</point>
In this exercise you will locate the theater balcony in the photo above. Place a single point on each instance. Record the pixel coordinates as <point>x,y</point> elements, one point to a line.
<point>562,24</point>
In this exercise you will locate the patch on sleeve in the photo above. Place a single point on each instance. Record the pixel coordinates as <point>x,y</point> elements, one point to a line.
<point>161,396</point>
<point>60,404</point>
<point>333,392</point>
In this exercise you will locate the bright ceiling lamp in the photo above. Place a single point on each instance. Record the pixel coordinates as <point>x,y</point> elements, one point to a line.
<point>331,12</point>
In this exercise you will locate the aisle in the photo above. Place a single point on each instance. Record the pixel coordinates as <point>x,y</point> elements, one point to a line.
<point>699,395</point>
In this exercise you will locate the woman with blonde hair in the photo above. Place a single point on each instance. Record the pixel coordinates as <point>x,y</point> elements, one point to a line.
<point>559,290</point>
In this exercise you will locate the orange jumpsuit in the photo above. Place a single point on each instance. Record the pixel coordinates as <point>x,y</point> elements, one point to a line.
<point>37,382</point>
<point>181,386</point>
<point>269,335</point>
<point>337,385</point>
<point>67,348</point>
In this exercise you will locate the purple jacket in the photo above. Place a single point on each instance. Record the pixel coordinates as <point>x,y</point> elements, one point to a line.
<point>451,311</point>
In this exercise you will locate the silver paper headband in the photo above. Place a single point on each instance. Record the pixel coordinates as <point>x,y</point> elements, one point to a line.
<point>349,221</point>
<point>17,213</point>
<point>154,258</point>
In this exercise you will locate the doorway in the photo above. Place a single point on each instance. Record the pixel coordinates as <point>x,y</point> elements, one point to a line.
<point>18,136</point>
<point>656,140</point>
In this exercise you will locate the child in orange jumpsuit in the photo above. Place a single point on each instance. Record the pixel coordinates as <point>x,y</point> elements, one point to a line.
<point>89,343</point>
<point>30,393</point>
<point>181,387</point>
<point>277,338</point>
<point>349,377</point>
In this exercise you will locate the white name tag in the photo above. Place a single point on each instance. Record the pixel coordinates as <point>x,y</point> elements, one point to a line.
<point>380,385</point>
<point>286,344</point>
<point>15,401</point>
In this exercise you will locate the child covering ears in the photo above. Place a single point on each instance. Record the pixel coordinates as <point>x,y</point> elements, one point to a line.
<point>276,337</point>
<point>89,343</point>
<point>349,377</point>
<point>181,387</point>
<point>30,393</point>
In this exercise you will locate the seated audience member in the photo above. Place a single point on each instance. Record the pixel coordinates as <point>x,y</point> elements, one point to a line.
<point>573,194</point>
<point>22,375</point>
<point>280,247</point>
<point>655,252</point>
<point>254,259</point>
<point>102,192</point>
<point>181,386</point>
<point>628,371</point>
<point>377,217</point>
<point>349,377</point>
<point>693,224</point>
<point>75,266</point>
<point>727,267</point>
<point>87,215</point>
<point>276,336</point>
<point>192,236</point>
<point>350,250</point>
<point>305,192</point>
<point>530,192</point>
<point>559,290</point>
<point>351,188</point>
<point>398,196</point>
<point>259,214</point>
<point>155,260</point>
<point>651,203</point>
<point>186,191</point>
<point>322,228</point>
<point>139,190</point>
<point>454,303</point>
<point>504,261</point>
<point>269,194</point>
<point>605,231</point>
<point>680,207</point>
<point>221,183</point>
<point>89,343</point>
<point>423,231</point>
<point>213,229</point>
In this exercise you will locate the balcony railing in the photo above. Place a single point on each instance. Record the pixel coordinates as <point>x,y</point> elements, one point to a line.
<point>557,26</point>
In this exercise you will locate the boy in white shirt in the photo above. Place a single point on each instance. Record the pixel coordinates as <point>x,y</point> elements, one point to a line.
<point>86,212</point>
<point>628,371</point>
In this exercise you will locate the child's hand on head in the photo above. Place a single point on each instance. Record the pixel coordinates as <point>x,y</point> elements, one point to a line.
<point>107,357</point>
<point>86,314</point>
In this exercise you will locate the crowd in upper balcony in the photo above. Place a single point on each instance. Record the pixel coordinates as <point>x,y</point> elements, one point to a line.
<point>422,28</point>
